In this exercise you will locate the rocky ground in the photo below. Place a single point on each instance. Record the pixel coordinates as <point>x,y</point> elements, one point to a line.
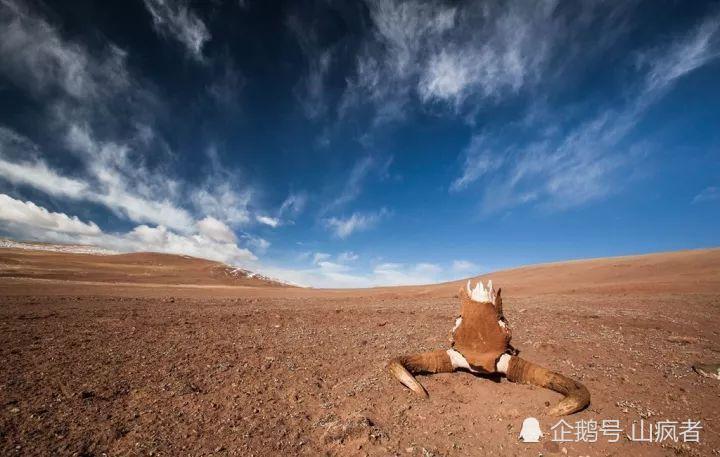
<point>93,369</point>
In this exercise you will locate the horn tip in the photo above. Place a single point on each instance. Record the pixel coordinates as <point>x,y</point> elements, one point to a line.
<point>401,374</point>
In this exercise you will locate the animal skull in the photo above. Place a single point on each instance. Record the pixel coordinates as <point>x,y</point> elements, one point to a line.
<point>480,343</point>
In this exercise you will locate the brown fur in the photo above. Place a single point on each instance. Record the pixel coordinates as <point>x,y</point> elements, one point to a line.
<point>480,338</point>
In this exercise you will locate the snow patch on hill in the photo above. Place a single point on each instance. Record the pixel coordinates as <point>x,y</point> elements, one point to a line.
<point>69,248</point>
<point>238,272</point>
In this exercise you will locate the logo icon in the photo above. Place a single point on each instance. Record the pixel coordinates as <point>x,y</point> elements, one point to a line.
<point>530,432</point>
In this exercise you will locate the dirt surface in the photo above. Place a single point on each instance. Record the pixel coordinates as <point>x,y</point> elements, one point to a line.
<point>103,360</point>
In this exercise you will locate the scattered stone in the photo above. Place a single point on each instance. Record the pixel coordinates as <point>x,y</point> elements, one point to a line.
<point>683,339</point>
<point>709,370</point>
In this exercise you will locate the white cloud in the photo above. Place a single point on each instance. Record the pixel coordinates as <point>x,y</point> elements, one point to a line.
<point>267,220</point>
<point>214,241</point>
<point>428,268</point>
<point>160,239</point>
<point>83,90</point>
<point>258,244</point>
<point>399,274</point>
<point>38,175</point>
<point>16,213</point>
<point>174,18</point>
<point>480,158</point>
<point>353,184</point>
<point>472,51</point>
<point>226,86</point>
<point>293,204</point>
<point>565,168</point>
<point>223,201</point>
<point>220,196</point>
<point>311,89</point>
<point>446,77</point>
<point>465,266</point>
<point>215,230</point>
<point>34,56</point>
<point>320,257</point>
<point>325,273</point>
<point>78,87</point>
<point>26,220</point>
<point>92,87</point>
<point>363,169</point>
<point>708,194</point>
<point>342,228</point>
<point>109,185</point>
<point>347,257</point>
<point>682,56</point>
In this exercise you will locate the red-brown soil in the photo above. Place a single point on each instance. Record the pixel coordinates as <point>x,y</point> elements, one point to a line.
<point>146,354</point>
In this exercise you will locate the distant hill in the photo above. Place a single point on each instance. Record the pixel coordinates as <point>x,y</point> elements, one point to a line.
<point>691,271</point>
<point>88,263</point>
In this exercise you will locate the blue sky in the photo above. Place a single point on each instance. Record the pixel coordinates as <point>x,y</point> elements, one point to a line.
<point>349,144</point>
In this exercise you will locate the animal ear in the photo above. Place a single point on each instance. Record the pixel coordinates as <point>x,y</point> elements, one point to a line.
<point>462,294</point>
<point>498,298</point>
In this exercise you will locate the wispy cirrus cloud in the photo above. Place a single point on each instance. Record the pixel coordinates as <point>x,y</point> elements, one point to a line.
<point>268,220</point>
<point>709,194</point>
<point>33,171</point>
<point>565,168</point>
<point>227,83</point>
<point>685,54</point>
<point>354,182</point>
<point>347,257</point>
<point>363,169</point>
<point>464,55</point>
<point>480,158</point>
<point>291,207</point>
<point>465,267</point>
<point>126,186</point>
<point>311,88</point>
<point>293,204</point>
<point>34,56</point>
<point>82,86</point>
<point>105,185</point>
<point>175,19</point>
<point>220,195</point>
<point>356,222</point>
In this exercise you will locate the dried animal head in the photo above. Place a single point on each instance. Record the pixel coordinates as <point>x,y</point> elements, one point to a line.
<point>480,343</point>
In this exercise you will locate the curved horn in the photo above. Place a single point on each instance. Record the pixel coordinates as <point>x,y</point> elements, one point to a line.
<point>404,367</point>
<point>576,395</point>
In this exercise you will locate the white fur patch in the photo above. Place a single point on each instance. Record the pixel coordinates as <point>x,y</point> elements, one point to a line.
<point>503,364</point>
<point>458,361</point>
<point>458,321</point>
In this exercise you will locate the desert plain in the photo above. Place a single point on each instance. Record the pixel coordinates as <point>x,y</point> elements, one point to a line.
<point>153,354</point>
